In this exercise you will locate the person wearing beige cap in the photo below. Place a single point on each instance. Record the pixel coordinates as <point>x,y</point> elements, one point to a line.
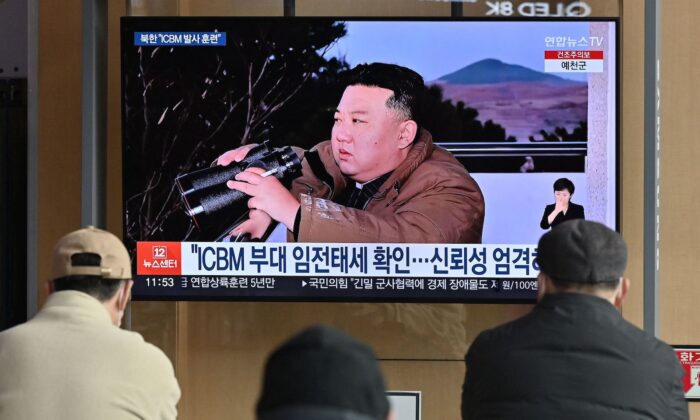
<point>72,361</point>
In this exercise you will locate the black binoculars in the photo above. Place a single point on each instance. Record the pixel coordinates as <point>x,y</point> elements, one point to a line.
<point>207,197</point>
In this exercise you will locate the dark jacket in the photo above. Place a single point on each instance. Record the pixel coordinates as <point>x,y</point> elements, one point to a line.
<point>429,198</point>
<point>573,357</point>
<point>575,211</point>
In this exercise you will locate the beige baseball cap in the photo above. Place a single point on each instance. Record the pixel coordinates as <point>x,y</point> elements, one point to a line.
<point>114,259</point>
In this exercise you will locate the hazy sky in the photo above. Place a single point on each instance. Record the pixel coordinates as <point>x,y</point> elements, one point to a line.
<point>434,49</point>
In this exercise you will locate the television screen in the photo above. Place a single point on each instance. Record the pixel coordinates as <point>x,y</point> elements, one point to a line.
<point>326,159</point>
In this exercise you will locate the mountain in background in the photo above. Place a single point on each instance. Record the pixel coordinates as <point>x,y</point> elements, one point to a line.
<point>491,70</point>
<point>521,100</point>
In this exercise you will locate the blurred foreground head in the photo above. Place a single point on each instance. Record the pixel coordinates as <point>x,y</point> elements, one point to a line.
<point>322,374</point>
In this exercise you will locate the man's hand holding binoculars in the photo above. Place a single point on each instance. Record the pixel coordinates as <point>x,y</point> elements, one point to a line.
<point>256,225</point>
<point>268,195</point>
<point>235,155</point>
<point>269,199</point>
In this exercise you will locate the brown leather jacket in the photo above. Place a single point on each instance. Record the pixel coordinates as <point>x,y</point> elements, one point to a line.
<point>429,198</point>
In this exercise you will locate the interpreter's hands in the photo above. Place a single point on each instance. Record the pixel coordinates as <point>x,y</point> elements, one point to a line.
<point>235,155</point>
<point>256,225</point>
<point>560,204</point>
<point>268,195</point>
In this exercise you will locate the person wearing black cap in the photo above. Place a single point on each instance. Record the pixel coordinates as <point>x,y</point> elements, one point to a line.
<point>574,356</point>
<point>323,374</point>
<point>71,361</point>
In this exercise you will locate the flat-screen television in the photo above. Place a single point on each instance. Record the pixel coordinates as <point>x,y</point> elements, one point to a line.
<point>507,109</point>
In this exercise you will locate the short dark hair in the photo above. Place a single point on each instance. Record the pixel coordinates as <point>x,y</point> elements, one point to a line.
<point>404,82</point>
<point>98,287</point>
<point>562,184</point>
<point>567,286</point>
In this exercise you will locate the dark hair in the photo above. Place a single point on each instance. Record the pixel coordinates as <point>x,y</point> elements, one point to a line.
<point>98,287</point>
<point>404,82</point>
<point>569,286</point>
<point>562,184</point>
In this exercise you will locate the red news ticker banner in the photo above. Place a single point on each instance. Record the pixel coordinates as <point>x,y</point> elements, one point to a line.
<point>573,55</point>
<point>689,357</point>
<point>158,258</point>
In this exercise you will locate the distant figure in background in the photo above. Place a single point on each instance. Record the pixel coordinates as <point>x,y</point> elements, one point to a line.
<point>574,356</point>
<point>528,166</point>
<point>562,209</point>
<point>323,374</point>
<point>71,361</point>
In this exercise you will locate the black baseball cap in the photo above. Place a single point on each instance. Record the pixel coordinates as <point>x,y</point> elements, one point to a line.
<point>581,251</point>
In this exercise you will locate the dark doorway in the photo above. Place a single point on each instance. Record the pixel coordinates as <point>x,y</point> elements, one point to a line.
<point>13,196</point>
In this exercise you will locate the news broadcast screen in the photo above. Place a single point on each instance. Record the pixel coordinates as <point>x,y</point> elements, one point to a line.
<point>325,159</point>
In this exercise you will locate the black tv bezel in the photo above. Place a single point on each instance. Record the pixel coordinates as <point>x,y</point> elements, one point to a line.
<point>126,37</point>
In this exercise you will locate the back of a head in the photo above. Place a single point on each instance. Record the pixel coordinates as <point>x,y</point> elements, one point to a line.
<point>322,374</point>
<point>404,82</point>
<point>91,261</point>
<point>582,253</point>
